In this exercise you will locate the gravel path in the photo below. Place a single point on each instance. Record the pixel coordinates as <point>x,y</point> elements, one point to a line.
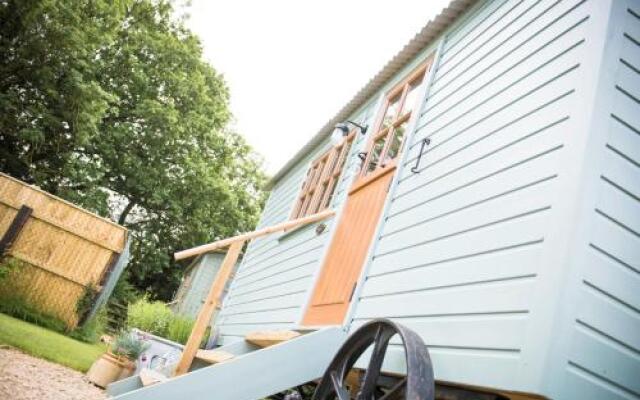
<point>23,377</point>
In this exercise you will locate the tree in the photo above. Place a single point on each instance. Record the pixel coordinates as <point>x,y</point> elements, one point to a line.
<point>138,131</point>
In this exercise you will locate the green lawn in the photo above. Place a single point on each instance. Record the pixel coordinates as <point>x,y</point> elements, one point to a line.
<point>52,346</point>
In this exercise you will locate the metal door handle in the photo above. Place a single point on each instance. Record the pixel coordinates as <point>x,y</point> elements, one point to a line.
<point>425,143</point>
<point>362,156</point>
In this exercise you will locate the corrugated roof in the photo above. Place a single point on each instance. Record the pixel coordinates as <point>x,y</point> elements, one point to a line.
<point>420,41</point>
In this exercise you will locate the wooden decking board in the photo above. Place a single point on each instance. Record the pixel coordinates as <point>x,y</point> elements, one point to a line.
<point>269,338</point>
<point>214,356</point>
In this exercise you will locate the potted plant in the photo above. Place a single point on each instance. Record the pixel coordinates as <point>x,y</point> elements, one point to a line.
<point>118,362</point>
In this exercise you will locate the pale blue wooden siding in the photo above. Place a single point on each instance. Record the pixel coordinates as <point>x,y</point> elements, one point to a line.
<point>462,253</point>
<point>276,275</point>
<point>270,283</point>
<point>196,286</point>
<point>601,350</point>
<point>515,251</point>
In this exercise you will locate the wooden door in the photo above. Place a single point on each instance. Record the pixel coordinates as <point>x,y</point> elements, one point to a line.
<point>348,249</point>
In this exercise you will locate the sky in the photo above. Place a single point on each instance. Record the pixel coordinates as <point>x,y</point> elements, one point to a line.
<point>292,65</point>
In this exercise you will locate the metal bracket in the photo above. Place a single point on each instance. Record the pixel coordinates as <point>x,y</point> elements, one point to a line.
<point>425,143</point>
<point>18,222</point>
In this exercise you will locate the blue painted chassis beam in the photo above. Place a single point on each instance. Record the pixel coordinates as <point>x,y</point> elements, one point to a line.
<point>250,376</point>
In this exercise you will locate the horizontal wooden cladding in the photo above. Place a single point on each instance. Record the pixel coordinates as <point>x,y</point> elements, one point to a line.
<point>302,239</point>
<point>516,36</point>
<point>552,48</point>
<point>471,28</point>
<point>265,304</point>
<point>554,79</point>
<point>595,351</point>
<point>277,271</point>
<point>473,331</point>
<point>491,297</point>
<point>604,357</point>
<point>497,264</point>
<point>293,261</point>
<point>272,289</point>
<point>486,214</point>
<point>507,17</point>
<point>513,231</point>
<point>490,142</point>
<point>287,276</point>
<point>476,367</point>
<point>60,215</point>
<point>469,365</point>
<point>472,193</point>
<point>606,342</point>
<point>458,257</point>
<point>281,316</point>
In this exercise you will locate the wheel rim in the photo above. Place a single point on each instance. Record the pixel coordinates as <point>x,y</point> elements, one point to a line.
<point>418,384</point>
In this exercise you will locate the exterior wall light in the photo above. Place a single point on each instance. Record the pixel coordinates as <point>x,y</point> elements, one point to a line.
<point>341,130</point>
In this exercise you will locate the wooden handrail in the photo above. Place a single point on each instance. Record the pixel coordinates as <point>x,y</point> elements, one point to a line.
<point>205,248</point>
<point>211,303</point>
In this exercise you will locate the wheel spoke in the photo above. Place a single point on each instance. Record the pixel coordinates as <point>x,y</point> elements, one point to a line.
<point>374,337</point>
<point>381,342</point>
<point>395,391</point>
<point>341,392</point>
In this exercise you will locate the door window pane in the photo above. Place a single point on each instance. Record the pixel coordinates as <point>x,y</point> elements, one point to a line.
<point>392,111</point>
<point>321,180</point>
<point>343,157</point>
<point>329,194</point>
<point>412,94</point>
<point>376,151</point>
<point>389,136</point>
<point>396,141</point>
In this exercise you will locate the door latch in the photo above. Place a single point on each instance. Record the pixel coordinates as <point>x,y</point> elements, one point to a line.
<point>425,142</point>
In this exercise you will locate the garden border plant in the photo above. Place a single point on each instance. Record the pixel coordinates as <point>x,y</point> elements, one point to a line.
<point>156,318</point>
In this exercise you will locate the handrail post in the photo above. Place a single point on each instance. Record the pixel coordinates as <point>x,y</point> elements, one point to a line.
<point>206,311</point>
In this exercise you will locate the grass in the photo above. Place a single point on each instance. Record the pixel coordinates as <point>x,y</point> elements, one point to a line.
<point>52,346</point>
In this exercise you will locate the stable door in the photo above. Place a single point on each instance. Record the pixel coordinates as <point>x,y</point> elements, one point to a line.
<point>366,198</point>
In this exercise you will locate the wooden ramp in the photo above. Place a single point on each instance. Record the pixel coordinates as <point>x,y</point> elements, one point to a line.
<point>279,361</point>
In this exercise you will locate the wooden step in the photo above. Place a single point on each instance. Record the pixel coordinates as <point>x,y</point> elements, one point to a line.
<point>269,338</point>
<point>150,377</point>
<point>213,356</point>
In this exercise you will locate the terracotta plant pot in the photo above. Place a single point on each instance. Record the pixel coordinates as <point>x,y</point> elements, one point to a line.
<point>128,370</point>
<point>109,368</point>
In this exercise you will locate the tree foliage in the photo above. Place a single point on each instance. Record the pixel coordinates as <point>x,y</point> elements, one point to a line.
<point>111,106</point>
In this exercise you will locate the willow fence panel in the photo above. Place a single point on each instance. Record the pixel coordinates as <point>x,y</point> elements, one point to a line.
<point>65,252</point>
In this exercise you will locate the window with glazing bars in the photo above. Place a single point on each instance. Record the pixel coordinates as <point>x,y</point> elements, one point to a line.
<point>386,143</point>
<point>321,180</point>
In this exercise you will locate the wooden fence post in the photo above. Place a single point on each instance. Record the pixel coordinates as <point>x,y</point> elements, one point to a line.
<point>14,229</point>
<point>206,311</point>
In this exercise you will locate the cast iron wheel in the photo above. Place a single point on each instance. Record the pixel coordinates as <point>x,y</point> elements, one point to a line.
<point>418,384</point>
